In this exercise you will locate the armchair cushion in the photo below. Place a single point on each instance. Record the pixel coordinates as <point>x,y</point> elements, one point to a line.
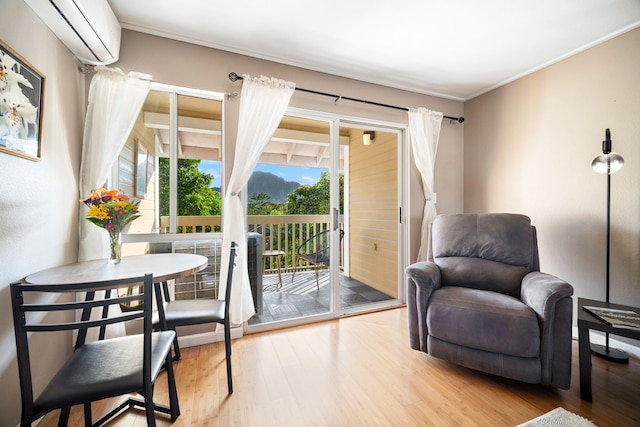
<point>484,320</point>
<point>491,252</point>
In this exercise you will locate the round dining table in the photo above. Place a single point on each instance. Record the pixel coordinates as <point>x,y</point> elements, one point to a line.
<point>163,267</point>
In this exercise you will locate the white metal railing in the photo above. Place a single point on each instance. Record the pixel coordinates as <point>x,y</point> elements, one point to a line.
<point>279,232</point>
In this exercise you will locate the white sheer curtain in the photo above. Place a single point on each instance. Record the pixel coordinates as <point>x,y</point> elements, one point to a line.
<point>424,132</point>
<point>115,100</point>
<point>263,102</point>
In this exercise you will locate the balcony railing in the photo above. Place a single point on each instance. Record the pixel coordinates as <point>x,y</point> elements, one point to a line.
<point>279,232</point>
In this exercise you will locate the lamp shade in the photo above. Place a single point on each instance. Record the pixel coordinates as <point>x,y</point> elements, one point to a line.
<point>607,163</point>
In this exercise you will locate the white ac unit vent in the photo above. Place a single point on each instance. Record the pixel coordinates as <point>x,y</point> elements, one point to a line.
<point>88,28</point>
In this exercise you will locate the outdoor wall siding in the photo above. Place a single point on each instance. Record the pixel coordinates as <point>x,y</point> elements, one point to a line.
<point>373,212</point>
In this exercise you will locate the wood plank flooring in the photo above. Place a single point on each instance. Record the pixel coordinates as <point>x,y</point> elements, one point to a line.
<point>360,371</point>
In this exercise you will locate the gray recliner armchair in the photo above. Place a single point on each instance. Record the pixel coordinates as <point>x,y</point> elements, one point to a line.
<point>482,302</point>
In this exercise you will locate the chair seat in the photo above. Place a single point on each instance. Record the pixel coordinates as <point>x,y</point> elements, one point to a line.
<point>482,319</point>
<point>192,312</point>
<point>120,368</point>
<point>317,258</point>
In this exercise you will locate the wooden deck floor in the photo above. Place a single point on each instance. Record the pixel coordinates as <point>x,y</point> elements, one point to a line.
<point>300,296</point>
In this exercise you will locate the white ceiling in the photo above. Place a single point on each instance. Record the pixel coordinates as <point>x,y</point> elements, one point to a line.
<point>456,49</point>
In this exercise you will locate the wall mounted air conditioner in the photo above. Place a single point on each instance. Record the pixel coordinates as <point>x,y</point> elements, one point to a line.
<point>88,28</point>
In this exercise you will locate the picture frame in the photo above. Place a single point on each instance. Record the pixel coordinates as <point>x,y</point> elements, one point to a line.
<point>21,105</point>
<point>141,169</point>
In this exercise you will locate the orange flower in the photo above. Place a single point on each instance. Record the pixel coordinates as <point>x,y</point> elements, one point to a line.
<point>111,209</point>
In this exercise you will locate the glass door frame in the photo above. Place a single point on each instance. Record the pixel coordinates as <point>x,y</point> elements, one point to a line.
<point>402,201</point>
<point>334,148</point>
<point>335,122</point>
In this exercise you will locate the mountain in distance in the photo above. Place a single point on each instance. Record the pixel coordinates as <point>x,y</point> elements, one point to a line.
<point>272,185</point>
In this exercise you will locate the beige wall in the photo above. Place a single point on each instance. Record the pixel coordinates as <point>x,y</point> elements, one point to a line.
<point>182,64</point>
<point>38,200</point>
<point>529,147</point>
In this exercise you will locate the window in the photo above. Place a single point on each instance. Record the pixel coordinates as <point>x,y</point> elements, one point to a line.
<point>172,163</point>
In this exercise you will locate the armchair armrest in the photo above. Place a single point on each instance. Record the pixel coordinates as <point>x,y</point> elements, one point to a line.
<point>550,298</point>
<point>422,279</point>
<point>542,291</point>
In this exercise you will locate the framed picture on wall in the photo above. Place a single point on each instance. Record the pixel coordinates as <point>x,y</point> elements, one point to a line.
<point>21,104</point>
<point>141,169</point>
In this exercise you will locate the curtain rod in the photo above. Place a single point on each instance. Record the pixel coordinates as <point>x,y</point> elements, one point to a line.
<point>234,77</point>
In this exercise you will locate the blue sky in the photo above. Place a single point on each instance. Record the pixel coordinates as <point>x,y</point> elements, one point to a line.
<point>301,175</point>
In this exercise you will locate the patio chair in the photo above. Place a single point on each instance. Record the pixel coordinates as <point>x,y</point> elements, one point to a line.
<point>320,255</point>
<point>96,370</point>
<point>200,311</point>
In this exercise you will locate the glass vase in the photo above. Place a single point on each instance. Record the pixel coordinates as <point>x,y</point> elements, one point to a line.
<point>115,247</point>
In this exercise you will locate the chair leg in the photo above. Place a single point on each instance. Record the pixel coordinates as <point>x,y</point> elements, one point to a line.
<point>315,267</point>
<point>87,415</point>
<point>149,408</point>
<point>63,420</point>
<point>279,272</point>
<point>227,346</point>
<point>173,393</point>
<point>176,348</point>
<point>293,276</point>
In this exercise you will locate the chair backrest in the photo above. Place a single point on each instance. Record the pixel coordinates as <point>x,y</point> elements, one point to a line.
<point>319,245</point>
<point>232,259</point>
<point>491,251</point>
<point>231,267</point>
<point>49,310</point>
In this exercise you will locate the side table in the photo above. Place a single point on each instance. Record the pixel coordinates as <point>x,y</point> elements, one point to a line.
<point>273,253</point>
<point>586,322</point>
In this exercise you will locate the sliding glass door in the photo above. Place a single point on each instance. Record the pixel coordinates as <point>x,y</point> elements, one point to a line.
<point>326,208</point>
<point>293,210</point>
<point>371,277</point>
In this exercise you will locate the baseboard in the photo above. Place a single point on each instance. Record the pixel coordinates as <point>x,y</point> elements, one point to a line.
<point>599,338</point>
<point>207,337</point>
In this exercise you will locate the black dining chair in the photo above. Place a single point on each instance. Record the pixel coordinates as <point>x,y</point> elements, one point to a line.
<point>315,250</point>
<point>200,311</point>
<point>95,370</point>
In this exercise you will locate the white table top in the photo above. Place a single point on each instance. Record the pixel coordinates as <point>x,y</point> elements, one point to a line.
<point>162,266</point>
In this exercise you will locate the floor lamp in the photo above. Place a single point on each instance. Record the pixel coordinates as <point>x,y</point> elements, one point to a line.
<point>608,162</point>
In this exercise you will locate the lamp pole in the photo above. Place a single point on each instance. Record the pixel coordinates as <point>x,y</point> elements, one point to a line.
<point>608,162</point>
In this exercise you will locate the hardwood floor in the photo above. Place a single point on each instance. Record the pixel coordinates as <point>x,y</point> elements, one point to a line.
<point>360,371</point>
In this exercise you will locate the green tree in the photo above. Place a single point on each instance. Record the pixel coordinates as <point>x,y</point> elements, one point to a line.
<point>195,195</point>
<point>261,204</point>
<point>313,199</point>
